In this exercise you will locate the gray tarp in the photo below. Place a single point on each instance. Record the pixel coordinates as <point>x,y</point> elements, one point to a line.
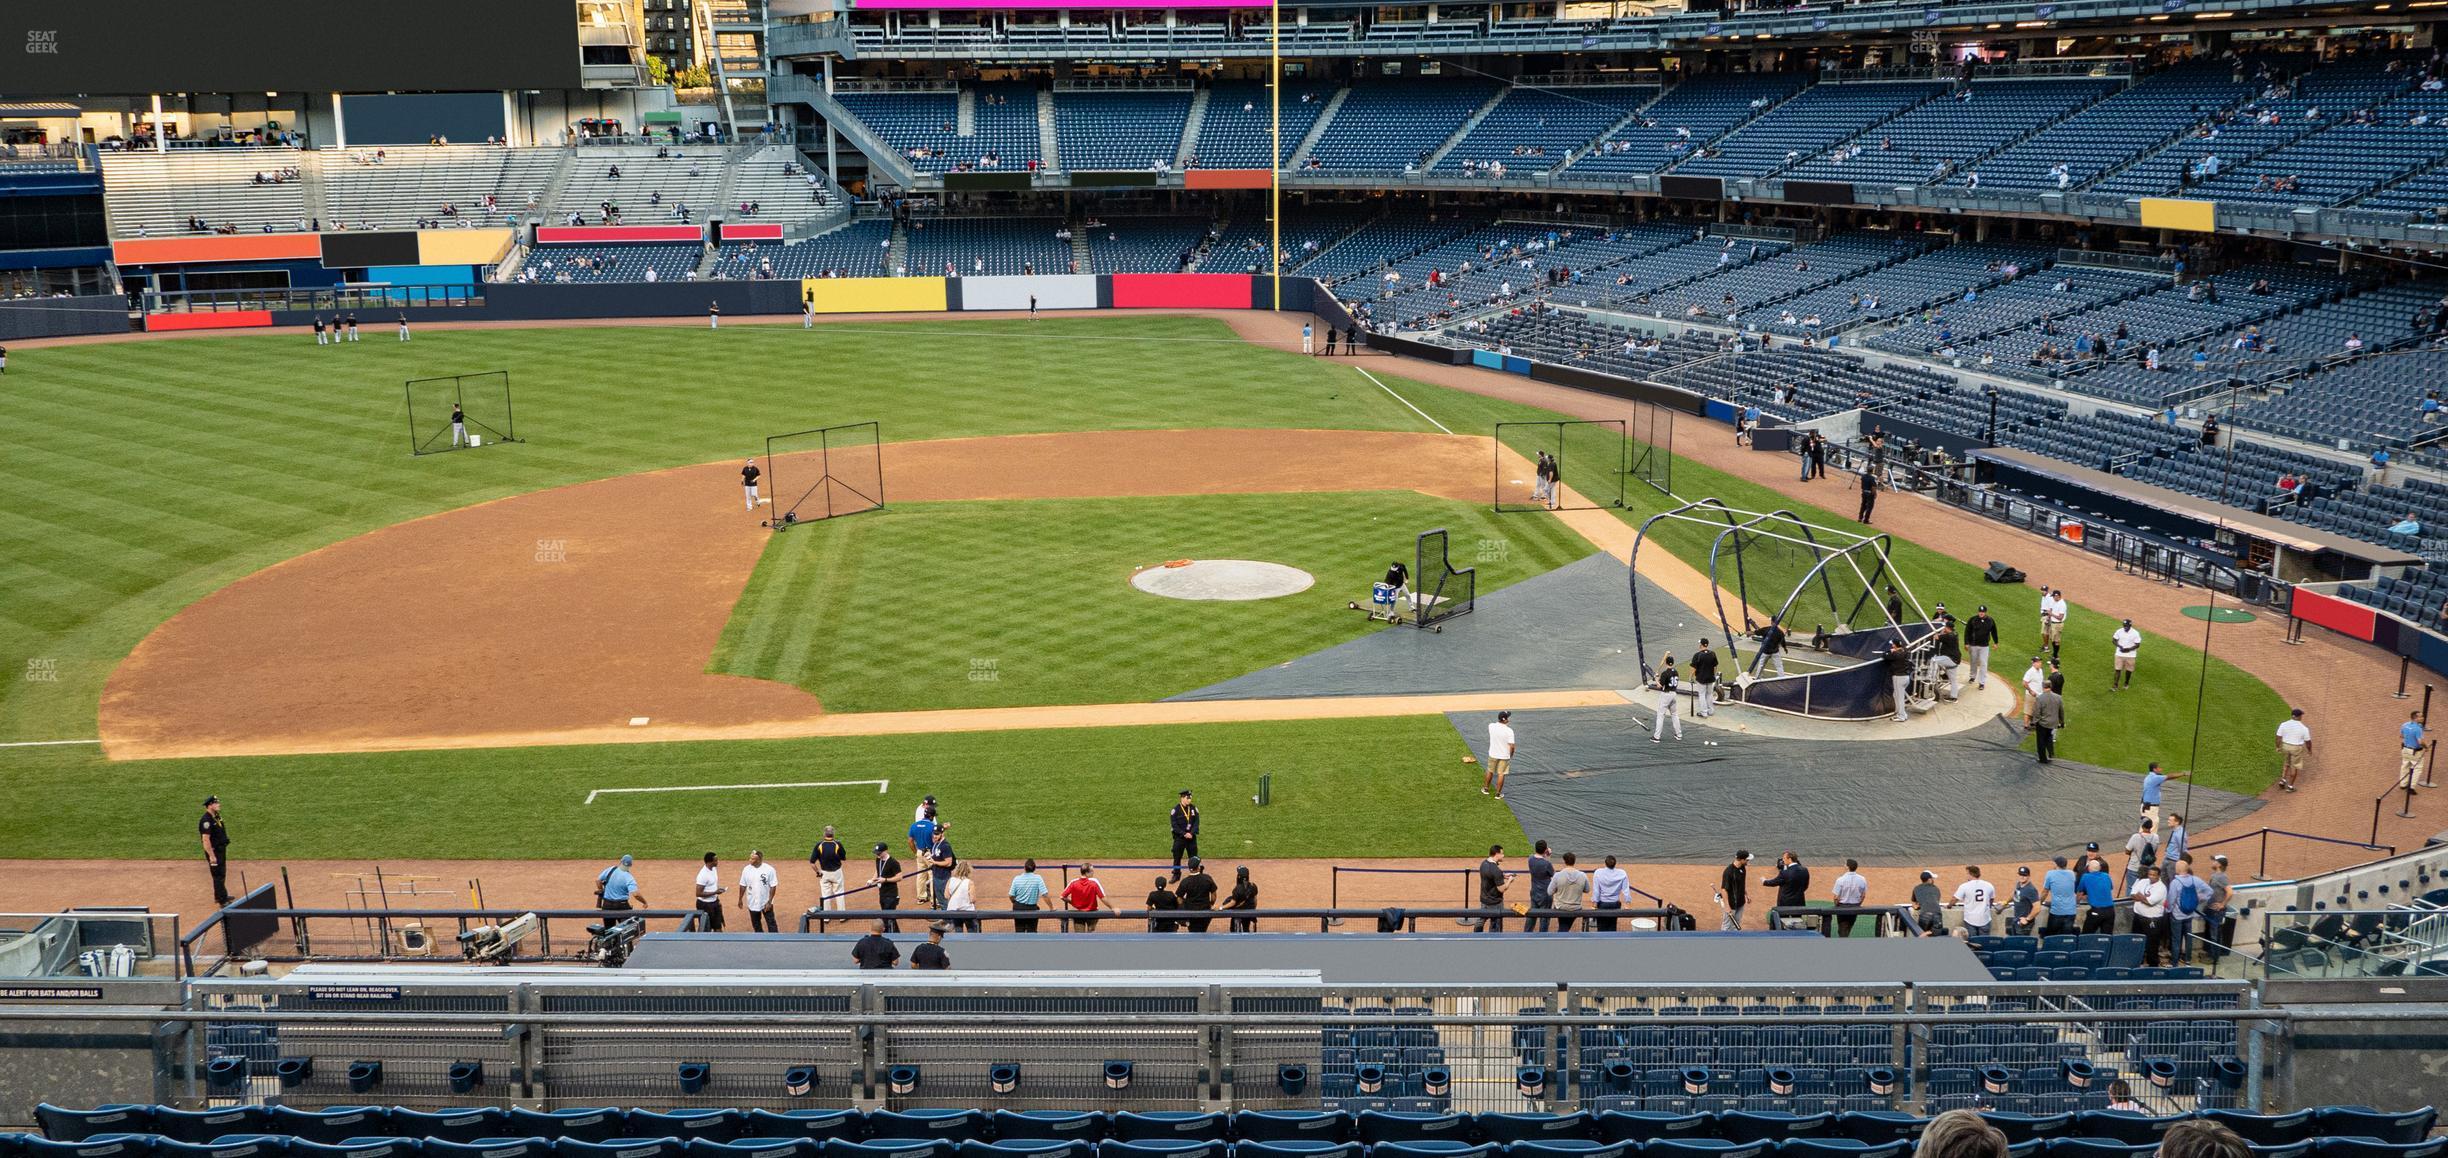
<point>1589,780</point>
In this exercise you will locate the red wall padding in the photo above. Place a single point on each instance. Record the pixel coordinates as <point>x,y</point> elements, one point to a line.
<point>616,234</point>
<point>1219,291</point>
<point>2336,614</point>
<point>222,320</point>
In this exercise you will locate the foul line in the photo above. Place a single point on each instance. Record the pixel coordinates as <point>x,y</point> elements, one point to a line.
<point>44,743</point>
<point>882,786</point>
<point>1399,398</point>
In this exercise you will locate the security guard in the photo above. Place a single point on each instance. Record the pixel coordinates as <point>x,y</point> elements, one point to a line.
<point>1185,821</point>
<point>215,838</point>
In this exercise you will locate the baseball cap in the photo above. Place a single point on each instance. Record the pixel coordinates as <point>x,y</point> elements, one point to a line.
<point>1928,875</point>
<point>1984,607</point>
<point>881,846</point>
<point>209,801</point>
<point>929,800</point>
<point>2023,871</point>
<point>2091,847</point>
<point>625,859</point>
<point>2219,857</point>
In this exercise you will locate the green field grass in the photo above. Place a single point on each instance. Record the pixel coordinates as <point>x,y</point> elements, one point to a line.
<point>1386,787</point>
<point>139,477</point>
<point>998,604</point>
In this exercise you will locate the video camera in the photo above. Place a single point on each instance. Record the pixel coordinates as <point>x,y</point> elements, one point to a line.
<point>496,944</point>
<point>611,941</point>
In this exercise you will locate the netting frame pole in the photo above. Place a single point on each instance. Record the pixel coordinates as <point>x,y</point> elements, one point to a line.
<point>783,519</point>
<point>508,431</point>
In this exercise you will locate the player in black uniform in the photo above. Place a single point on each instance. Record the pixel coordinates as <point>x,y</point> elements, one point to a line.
<point>748,482</point>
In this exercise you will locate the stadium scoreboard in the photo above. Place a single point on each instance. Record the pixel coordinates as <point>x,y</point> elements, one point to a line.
<point>135,47</point>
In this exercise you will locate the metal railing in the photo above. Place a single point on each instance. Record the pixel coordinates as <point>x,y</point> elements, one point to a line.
<point>368,298</point>
<point>262,932</point>
<point>1220,922</point>
<point>89,944</point>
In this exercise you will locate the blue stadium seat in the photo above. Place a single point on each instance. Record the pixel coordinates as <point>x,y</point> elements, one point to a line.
<point>1164,1148</point>
<point>2283,1149</point>
<point>1701,1148</point>
<point>753,1148</point>
<point>711,1125</point>
<point>1157,1125</point>
<point>1566,1148</point>
<point>888,1148</point>
<point>1374,1127</point>
<point>1290,1126</point>
<point>2117,1125</point>
<point>234,1146</point>
<point>2025,1127</point>
<point>61,1124</point>
<point>337,1124</point>
<point>1841,1148</point>
<point>1496,1127</point>
<point>490,1148</point>
<point>619,1148</point>
<point>1039,1148</point>
<point>106,1146</point>
<point>359,1148</point>
<point>1430,1148</point>
<point>597,1124</point>
<point>1644,1126</point>
<point>1295,1150</point>
<point>2266,1129</point>
<point>952,1125</point>
<point>1879,1125</point>
<point>461,1125</point>
<point>1771,1126</point>
<point>2364,1122</point>
<point>2369,1148</point>
<point>2099,1148</point>
<point>818,1125</point>
<point>1010,1125</point>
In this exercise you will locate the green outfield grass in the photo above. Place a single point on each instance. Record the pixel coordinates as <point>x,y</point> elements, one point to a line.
<point>998,604</point>
<point>138,477</point>
<point>1390,787</point>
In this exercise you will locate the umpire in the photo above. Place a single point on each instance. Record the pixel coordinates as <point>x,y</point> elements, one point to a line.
<point>215,838</point>
<point>1185,833</point>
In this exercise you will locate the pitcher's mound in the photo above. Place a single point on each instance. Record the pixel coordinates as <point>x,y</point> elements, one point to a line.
<point>1222,579</point>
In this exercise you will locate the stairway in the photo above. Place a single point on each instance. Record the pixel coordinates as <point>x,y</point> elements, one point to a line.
<point>1468,123</point>
<point>896,259</point>
<point>1046,145</point>
<point>1182,157</point>
<point>964,120</point>
<point>1308,141</point>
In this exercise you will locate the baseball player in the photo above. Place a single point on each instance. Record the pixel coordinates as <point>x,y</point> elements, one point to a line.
<point>1398,577</point>
<point>403,324</point>
<point>748,482</point>
<point>458,426</point>
<point>352,327</point>
<point>320,340</point>
<point>1667,710</point>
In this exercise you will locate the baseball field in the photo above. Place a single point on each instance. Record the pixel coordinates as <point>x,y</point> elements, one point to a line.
<point>225,566</point>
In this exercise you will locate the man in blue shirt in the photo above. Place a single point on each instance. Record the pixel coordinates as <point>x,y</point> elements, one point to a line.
<point>922,833</point>
<point>2099,893</point>
<point>2176,845</point>
<point>616,888</point>
<point>2410,739</point>
<point>1027,894</point>
<point>940,860</point>
<point>2059,892</point>
<point>2152,782</point>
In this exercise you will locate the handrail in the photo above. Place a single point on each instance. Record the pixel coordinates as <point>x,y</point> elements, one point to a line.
<point>690,919</point>
<point>2264,833</point>
<point>1408,917</point>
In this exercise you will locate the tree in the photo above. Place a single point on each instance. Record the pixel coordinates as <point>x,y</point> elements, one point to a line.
<point>658,70</point>
<point>697,76</point>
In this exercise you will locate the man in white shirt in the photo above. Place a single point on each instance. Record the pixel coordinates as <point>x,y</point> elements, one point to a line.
<point>2128,648</point>
<point>757,882</point>
<point>1499,755</point>
<point>2294,745</point>
<point>2150,915</point>
<point>1978,899</point>
<point>1851,890</point>
<point>2035,681</point>
<point>1608,888</point>
<point>709,897</point>
<point>2052,620</point>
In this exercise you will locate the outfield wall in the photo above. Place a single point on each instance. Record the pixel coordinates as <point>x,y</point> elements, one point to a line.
<point>63,317</point>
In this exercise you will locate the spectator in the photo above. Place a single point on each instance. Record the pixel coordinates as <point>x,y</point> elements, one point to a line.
<point>1161,900</point>
<point>2154,785</point>
<point>2099,893</point>
<point>940,861</point>
<point>615,887</point>
<point>1733,889</point>
<point>1928,908</point>
<point>2025,900</point>
<point>1960,1134</point>
<point>2150,915</point>
<point>1609,887</point>
<point>1198,894</point>
<point>2194,1138</point>
<point>2218,929</point>
<point>1568,890</point>
<point>875,950</point>
<point>1492,882</point>
<point>2121,1100</point>
<point>2173,846</point>
<point>709,896</point>
<point>1027,893</point>
<point>1244,897</point>
<point>1978,900</point>
<point>1086,894</point>
<point>959,895</point>
<point>1542,875</point>
<point>1852,888</point>
<point>2186,895</point>
<point>2141,850</point>
<point>1500,747</point>
<point>757,882</point>
<point>2408,525</point>
<point>2059,892</point>
<point>1792,883</point>
<point>931,955</point>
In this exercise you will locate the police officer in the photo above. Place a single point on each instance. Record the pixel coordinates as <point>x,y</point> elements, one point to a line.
<point>1185,832</point>
<point>215,838</point>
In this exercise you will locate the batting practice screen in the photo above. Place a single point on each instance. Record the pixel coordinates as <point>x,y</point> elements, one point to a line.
<point>824,473</point>
<point>1648,444</point>
<point>1440,591</point>
<point>484,400</point>
<point>1590,460</point>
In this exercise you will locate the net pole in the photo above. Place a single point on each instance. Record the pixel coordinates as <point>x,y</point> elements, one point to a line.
<point>414,447</point>
<point>509,424</point>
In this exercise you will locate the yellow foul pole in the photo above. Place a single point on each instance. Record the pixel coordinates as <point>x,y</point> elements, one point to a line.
<point>1275,161</point>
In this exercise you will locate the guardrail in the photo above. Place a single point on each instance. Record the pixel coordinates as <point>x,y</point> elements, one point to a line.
<point>2262,835</point>
<point>1389,919</point>
<point>255,929</point>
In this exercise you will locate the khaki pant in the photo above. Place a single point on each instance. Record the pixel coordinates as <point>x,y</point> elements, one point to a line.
<point>2292,760</point>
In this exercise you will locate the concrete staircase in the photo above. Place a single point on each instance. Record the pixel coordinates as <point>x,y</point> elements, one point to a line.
<point>1326,116</point>
<point>1190,130</point>
<point>1437,154</point>
<point>1046,144</point>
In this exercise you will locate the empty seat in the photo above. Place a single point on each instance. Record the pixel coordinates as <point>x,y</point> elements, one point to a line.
<point>359,1148</point>
<point>2364,1122</point>
<point>2117,1125</point>
<point>1879,1125</point>
<point>460,1125</point>
<point>619,1148</point>
<point>1523,1127</point>
<point>752,1148</point>
<point>235,1146</point>
<point>106,1146</point>
<point>61,1124</point>
<point>2372,1148</point>
<point>1375,1127</point>
<point>813,1124</point>
<point>1702,1148</point>
<point>1841,1148</point>
<point>1164,1148</point>
<point>490,1148</point>
<point>2265,1129</point>
<point>711,1125</point>
<point>888,1148</point>
<point>337,1124</point>
<point>601,1124</point>
<point>1289,1126</point>
<point>1040,1148</point>
<point>1755,1126</point>
<point>1566,1148</point>
<point>955,1125</point>
<point>1011,1124</point>
<point>1430,1148</point>
<point>1292,1149</point>
<point>1133,1125</point>
<point>2099,1148</point>
<point>2025,1127</point>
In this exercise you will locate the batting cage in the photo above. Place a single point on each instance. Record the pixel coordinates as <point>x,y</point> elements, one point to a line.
<point>1589,461</point>
<point>480,400</point>
<point>1834,594</point>
<point>1439,591</point>
<point>824,473</point>
<point>1648,444</point>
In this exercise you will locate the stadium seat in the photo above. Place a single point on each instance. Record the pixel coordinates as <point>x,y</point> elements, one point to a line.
<point>619,1148</point>
<point>106,1146</point>
<point>600,1124</point>
<point>1294,1150</point>
<point>1841,1148</point>
<point>1045,1148</point>
<point>952,1125</point>
<point>234,1146</point>
<point>1565,1148</point>
<point>1496,1127</point>
<point>1879,1125</point>
<point>2266,1129</point>
<point>1701,1148</point>
<point>1290,1126</point>
<point>490,1148</point>
<point>2024,1127</point>
<point>2283,1149</point>
<point>1375,1127</point>
<point>463,1125</point>
<point>753,1148</point>
<point>888,1148</point>
<point>2363,1122</point>
<point>359,1148</point>
<point>1647,1126</point>
<point>1164,1148</point>
<point>2370,1148</point>
<point>711,1125</point>
<point>337,1124</point>
<point>2117,1125</point>
<point>1057,1124</point>
<point>61,1124</point>
<point>1134,1125</point>
<point>2099,1148</point>
<point>818,1125</point>
<point>1771,1126</point>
